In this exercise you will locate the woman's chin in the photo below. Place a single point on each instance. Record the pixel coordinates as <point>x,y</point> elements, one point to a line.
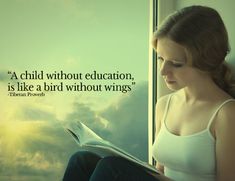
<point>173,86</point>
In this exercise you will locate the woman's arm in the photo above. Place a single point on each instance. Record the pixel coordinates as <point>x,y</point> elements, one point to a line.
<point>225,143</point>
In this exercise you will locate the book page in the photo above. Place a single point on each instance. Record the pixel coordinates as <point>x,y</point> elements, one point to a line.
<point>82,133</point>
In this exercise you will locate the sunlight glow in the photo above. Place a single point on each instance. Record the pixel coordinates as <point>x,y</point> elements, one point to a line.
<point>15,133</point>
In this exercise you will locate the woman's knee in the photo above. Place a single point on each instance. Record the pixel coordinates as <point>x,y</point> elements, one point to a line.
<point>112,162</point>
<point>82,157</point>
<point>81,166</point>
<point>80,154</point>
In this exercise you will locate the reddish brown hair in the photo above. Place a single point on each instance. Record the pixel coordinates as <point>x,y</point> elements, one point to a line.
<point>202,31</point>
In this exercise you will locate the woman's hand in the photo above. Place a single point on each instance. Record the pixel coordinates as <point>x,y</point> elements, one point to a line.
<point>160,176</point>
<point>163,178</point>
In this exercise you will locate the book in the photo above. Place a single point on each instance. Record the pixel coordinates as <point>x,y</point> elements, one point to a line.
<point>88,140</point>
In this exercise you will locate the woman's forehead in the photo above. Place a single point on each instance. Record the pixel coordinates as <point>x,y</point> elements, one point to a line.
<point>171,50</point>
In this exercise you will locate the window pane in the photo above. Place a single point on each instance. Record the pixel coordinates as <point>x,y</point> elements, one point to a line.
<point>58,37</point>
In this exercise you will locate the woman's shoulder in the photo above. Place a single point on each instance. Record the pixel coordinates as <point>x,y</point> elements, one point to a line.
<point>162,101</point>
<point>160,109</point>
<point>225,115</point>
<point>227,108</point>
<point>226,104</point>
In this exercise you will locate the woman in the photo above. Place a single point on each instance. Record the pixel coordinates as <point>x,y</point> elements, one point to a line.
<point>195,124</point>
<point>194,140</point>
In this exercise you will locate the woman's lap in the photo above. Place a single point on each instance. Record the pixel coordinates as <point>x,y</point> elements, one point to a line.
<point>84,166</point>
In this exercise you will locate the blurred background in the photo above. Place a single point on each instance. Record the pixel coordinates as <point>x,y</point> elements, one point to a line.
<point>73,36</point>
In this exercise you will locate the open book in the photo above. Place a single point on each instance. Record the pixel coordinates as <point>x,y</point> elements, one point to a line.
<point>90,141</point>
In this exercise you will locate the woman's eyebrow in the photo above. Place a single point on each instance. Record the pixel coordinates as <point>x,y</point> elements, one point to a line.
<point>175,60</point>
<point>178,60</point>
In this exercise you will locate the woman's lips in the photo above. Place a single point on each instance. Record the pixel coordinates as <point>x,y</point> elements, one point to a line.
<point>170,81</point>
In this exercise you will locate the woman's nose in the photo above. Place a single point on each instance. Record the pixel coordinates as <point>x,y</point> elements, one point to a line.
<point>164,68</point>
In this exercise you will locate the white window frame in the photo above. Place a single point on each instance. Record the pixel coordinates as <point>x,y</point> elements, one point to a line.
<point>159,9</point>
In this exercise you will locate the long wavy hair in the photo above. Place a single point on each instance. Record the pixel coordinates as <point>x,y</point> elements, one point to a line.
<point>202,32</point>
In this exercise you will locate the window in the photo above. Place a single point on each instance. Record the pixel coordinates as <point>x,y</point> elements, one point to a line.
<point>73,36</point>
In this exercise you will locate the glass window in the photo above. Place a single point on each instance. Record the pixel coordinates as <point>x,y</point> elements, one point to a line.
<point>58,38</point>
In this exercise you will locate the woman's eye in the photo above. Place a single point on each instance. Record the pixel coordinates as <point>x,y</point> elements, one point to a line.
<point>177,64</point>
<point>170,62</point>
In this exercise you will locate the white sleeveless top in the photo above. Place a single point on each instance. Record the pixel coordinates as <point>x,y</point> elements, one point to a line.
<point>187,158</point>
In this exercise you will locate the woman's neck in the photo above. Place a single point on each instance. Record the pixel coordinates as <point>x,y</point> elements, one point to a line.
<point>200,91</point>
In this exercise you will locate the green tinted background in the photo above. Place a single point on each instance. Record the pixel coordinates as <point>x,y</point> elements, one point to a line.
<point>74,36</point>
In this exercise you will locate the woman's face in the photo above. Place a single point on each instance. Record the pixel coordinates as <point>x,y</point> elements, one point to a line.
<point>175,64</point>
